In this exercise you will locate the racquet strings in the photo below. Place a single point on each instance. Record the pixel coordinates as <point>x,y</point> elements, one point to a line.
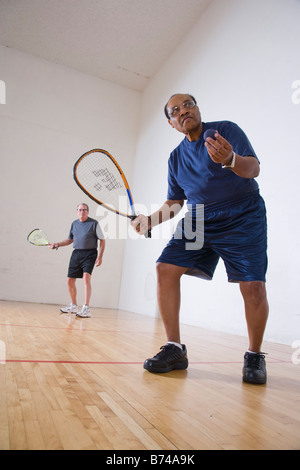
<point>38,237</point>
<point>102,180</point>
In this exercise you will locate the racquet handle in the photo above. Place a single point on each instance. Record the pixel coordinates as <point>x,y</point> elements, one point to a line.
<point>148,234</point>
<point>54,248</point>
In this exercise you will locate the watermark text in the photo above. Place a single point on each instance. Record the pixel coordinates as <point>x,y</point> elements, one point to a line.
<point>190,227</point>
<point>296,94</point>
<point>2,92</point>
<point>2,352</point>
<point>296,353</point>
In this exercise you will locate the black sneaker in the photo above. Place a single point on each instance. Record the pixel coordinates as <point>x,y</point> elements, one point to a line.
<point>170,357</point>
<point>254,370</point>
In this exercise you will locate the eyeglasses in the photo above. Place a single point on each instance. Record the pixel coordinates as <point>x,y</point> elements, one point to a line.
<point>82,210</point>
<point>173,112</point>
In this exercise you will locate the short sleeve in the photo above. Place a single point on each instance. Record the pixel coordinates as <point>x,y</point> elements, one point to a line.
<point>175,192</point>
<point>71,233</point>
<point>99,232</point>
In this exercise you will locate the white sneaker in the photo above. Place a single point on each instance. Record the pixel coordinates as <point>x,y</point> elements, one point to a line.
<point>84,312</point>
<point>70,309</point>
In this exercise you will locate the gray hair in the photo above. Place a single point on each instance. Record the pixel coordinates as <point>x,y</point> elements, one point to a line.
<point>83,204</point>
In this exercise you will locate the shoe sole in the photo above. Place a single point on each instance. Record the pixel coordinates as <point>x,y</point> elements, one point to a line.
<point>161,370</point>
<point>261,381</point>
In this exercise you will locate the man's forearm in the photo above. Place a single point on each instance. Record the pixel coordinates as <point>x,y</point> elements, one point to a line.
<point>101,247</point>
<point>65,242</point>
<point>166,212</point>
<point>246,167</point>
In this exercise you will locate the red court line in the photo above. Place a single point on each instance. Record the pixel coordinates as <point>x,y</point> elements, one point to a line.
<point>67,362</point>
<point>125,362</point>
<point>71,328</point>
<point>67,327</point>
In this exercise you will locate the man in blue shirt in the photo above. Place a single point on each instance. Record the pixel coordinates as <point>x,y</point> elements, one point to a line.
<point>217,174</point>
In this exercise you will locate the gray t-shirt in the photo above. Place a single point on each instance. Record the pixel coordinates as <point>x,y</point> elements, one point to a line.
<point>85,235</point>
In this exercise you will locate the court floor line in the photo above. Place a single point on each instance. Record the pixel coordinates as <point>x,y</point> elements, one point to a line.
<point>67,327</point>
<point>127,362</point>
<point>70,327</point>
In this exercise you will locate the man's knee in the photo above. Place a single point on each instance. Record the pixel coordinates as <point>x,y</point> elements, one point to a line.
<point>169,272</point>
<point>71,281</point>
<point>253,291</point>
<point>86,278</point>
<point>161,269</point>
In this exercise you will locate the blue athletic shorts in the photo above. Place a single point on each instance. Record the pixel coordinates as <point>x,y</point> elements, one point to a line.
<point>235,231</point>
<point>81,261</point>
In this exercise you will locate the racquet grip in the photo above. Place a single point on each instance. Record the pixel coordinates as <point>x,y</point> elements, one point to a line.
<point>148,234</point>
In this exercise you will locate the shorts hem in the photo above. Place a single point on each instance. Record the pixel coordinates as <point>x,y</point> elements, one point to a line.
<point>235,281</point>
<point>191,270</point>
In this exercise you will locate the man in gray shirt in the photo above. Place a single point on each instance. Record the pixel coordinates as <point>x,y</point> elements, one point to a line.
<point>84,234</point>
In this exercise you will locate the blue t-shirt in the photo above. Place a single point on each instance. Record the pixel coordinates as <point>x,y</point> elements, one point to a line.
<point>85,234</point>
<point>194,176</point>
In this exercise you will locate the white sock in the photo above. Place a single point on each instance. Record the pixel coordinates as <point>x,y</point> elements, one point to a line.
<point>175,344</point>
<point>251,352</point>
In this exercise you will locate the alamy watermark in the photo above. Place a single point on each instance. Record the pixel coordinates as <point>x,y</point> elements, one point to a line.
<point>2,352</point>
<point>296,353</point>
<point>296,94</point>
<point>190,228</point>
<point>2,92</point>
<point>295,97</point>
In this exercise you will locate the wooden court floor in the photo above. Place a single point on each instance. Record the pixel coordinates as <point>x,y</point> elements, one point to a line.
<point>70,383</point>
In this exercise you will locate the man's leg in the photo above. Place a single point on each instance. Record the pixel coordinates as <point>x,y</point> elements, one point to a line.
<point>256,310</point>
<point>87,288</point>
<point>85,311</point>
<point>72,308</point>
<point>72,290</point>
<point>168,297</point>
<point>168,294</point>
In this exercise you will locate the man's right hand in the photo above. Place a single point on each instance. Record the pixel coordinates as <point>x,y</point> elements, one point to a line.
<point>53,246</point>
<point>141,224</point>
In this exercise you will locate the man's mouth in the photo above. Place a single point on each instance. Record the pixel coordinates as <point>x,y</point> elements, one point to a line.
<point>185,118</point>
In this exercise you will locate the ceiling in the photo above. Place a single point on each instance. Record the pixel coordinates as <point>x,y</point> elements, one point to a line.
<point>123,41</point>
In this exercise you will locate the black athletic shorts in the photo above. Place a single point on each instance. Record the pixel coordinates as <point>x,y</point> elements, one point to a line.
<point>82,261</point>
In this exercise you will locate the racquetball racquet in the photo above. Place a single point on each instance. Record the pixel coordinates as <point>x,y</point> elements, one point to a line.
<point>100,177</point>
<point>38,238</point>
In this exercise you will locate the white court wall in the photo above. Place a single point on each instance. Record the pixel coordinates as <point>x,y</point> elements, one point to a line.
<point>240,61</point>
<point>51,117</point>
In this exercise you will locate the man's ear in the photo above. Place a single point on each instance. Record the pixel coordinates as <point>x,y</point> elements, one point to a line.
<point>170,122</point>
